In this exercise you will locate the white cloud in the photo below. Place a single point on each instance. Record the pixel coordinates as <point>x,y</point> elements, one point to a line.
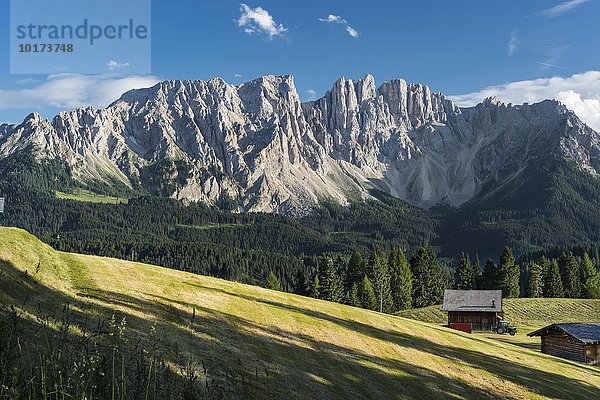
<point>69,91</point>
<point>512,43</point>
<point>561,8</point>
<point>579,92</point>
<point>258,20</point>
<point>114,65</point>
<point>352,32</point>
<point>312,94</point>
<point>336,19</point>
<point>238,76</point>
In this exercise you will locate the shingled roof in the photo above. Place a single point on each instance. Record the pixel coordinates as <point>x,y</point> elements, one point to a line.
<point>473,300</point>
<point>588,333</point>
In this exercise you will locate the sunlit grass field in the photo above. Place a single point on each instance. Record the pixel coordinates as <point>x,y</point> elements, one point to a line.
<point>90,197</point>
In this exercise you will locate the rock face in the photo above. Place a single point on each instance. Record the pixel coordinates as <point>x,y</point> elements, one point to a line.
<point>258,144</point>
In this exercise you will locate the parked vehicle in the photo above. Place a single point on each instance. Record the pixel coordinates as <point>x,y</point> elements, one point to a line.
<point>505,327</point>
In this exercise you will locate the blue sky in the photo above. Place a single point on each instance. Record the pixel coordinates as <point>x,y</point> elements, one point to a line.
<point>456,47</point>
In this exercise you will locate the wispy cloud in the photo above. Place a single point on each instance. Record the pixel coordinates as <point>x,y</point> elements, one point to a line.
<point>553,65</point>
<point>238,76</point>
<point>561,8</point>
<point>66,91</point>
<point>336,19</point>
<point>511,47</point>
<point>259,21</point>
<point>113,65</point>
<point>579,92</point>
<point>552,56</point>
<point>26,81</point>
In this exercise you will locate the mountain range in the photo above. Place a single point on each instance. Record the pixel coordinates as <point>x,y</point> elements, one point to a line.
<point>258,144</point>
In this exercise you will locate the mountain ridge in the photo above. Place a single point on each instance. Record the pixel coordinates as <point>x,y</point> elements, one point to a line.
<point>259,145</point>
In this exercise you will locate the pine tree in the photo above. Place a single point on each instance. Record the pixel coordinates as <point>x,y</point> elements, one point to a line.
<point>465,275</point>
<point>590,278</point>
<point>535,281</point>
<point>419,264</point>
<point>368,299</point>
<point>440,279</point>
<point>489,277</point>
<point>380,277</point>
<point>428,282</point>
<point>315,287</point>
<point>569,273</point>
<point>509,274</point>
<point>477,269</point>
<point>353,296</point>
<point>331,284</point>
<point>273,282</point>
<point>355,271</point>
<point>401,280</point>
<point>553,286</point>
<point>300,286</point>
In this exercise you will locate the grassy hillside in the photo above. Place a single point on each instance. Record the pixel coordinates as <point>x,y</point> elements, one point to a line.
<point>288,346</point>
<point>527,313</point>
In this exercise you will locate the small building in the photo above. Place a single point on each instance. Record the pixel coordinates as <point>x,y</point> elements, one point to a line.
<point>470,310</point>
<point>576,342</point>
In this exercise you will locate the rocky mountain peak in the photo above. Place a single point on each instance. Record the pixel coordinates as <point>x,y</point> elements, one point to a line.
<point>257,143</point>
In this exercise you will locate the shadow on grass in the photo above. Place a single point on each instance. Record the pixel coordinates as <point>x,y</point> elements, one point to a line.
<point>534,346</point>
<point>295,365</point>
<point>542,382</point>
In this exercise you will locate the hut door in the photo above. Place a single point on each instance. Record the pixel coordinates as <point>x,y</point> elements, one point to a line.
<point>592,355</point>
<point>595,355</point>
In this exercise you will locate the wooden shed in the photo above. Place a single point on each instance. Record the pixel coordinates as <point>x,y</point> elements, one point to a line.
<point>577,342</point>
<point>477,309</point>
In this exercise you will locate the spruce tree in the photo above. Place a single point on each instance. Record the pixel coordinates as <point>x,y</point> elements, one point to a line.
<point>569,273</point>
<point>315,287</point>
<point>419,264</point>
<point>401,280</point>
<point>477,270</point>
<point>331,284</point>
<point>428,282</point>
<point>300,286</point>
<point>353,296</point>
<point>380,277</point>
<point>368,299</point>
<point>509,274</point>
<point>553,286</point>
<point>440,279</point>
<point>590,278</point>
<point>489,277</point>
<point>273,282</point>
<point>355,271</point>
<point>465,275</point>
<point>535,281</point>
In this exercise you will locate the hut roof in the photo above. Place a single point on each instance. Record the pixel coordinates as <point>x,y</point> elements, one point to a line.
<point>473,300</point>
<point>588,333</point>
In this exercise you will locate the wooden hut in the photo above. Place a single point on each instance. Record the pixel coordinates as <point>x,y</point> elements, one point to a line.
<point>577,342</point>
<point>473,309</point>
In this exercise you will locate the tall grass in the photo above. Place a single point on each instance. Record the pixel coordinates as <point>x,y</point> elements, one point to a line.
<point>46,357</point>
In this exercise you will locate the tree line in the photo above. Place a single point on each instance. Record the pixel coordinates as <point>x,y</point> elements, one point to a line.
<point>390,282</point>
<point>386,282</point>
